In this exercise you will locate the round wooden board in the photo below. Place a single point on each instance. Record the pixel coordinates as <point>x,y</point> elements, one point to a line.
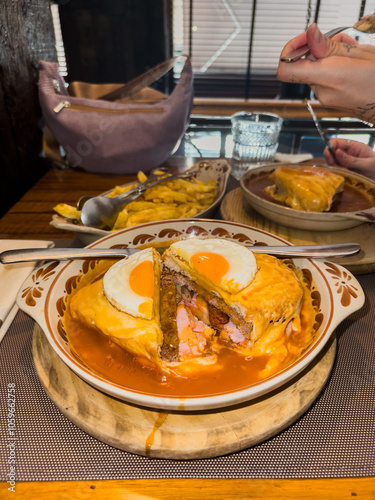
<point>235,208</point>
<point>177,435</point>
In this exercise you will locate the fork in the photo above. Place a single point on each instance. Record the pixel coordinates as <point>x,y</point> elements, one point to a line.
<point>304,50</point>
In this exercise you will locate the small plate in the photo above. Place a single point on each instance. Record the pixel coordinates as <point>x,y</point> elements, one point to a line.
<point>218,170</point>
<point>301,219</point>
<point>42,297</point>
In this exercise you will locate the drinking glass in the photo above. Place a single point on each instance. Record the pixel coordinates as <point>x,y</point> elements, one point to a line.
<point>255,140</point>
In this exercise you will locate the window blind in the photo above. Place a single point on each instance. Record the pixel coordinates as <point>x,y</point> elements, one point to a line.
<point>233,40</point>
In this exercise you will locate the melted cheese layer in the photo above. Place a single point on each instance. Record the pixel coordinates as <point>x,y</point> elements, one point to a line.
<point>139,336</point>
<point>305,188</point>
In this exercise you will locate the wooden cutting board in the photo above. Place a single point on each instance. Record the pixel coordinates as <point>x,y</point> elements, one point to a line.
<point>235,208</point>
<point>177,435</point>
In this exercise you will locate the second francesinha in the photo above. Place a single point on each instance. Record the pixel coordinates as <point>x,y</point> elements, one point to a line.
<point>309,188</point>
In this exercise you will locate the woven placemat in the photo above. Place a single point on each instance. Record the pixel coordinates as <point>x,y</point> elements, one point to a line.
<point>334,438</point>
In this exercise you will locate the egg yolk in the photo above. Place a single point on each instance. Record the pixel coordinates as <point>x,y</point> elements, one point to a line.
<point>211,265</point>
<point>141,279</point>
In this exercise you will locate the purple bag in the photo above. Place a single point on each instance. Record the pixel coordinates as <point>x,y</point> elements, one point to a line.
<point>117,129</point>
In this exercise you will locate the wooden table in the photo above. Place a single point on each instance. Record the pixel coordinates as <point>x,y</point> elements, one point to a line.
<point>29,219</point>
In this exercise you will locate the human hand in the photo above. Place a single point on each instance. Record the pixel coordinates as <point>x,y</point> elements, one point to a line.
<point>339,70</point>
<point>352,155</point>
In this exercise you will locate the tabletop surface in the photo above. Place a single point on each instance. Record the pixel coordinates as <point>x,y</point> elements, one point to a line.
<point>30,218</point>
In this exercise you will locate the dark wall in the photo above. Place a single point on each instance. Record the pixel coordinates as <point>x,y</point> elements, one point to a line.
<point>106,41</point>
<point>113,41</point>
<point>26,36</point>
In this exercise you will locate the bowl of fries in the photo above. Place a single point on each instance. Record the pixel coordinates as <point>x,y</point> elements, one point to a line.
<point>199,196</point>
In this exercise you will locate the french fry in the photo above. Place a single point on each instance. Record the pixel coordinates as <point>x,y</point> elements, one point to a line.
<point>189,211</point>
<point>67,211</point>
<point>194,185</point>
<point>120,190</point>
<point>142,177</point>
<point>121,220</point>
<point>167,195</point>
<point>137,206</point>
<point>155,192</point>
<point>150,215</point>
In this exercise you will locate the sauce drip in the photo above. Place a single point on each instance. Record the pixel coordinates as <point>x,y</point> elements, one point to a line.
<point>162,416</point>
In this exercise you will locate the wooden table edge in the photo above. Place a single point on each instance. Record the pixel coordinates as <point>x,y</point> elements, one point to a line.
<point>265,489</point>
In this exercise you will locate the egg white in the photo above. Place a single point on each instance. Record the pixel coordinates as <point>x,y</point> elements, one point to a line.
<point>242,263</point>
<point>118,292</point>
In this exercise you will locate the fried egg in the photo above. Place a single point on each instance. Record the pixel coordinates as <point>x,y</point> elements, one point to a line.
<point>131,285</point>
<point>223,263</point>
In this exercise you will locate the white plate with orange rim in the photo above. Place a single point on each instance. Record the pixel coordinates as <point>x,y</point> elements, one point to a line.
<point>43,294</point>
<point>218,170</point>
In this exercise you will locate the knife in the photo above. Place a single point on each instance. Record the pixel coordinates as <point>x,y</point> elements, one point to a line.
<point>321,131</point>
<point>32,254</point>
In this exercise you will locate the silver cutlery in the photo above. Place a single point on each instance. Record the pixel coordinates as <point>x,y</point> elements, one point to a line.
<point>364,25</point>
<point>101,211</point>
<point>322,134</point>
<point>367,215</point>
<point>154,174</point>
<point>32,254</point>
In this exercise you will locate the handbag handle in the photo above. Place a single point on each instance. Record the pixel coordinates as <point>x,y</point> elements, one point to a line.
<point>142,81</point>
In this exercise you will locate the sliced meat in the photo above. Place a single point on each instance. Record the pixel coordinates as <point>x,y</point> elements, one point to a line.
<point>194,335</point>
<point>245,328</point>
<point>217,318</point>
<point>214,302</point>
<point>183,293</point>
<point>168,312</point>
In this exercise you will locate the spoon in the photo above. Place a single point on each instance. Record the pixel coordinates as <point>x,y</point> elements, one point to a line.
<point>367,215</point>
<point>101,211</point>
<point>32,254</point>
<point>365,25</point>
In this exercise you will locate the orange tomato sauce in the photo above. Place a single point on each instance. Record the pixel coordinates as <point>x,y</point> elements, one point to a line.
<point>232,370</point>
<point>117,365</point>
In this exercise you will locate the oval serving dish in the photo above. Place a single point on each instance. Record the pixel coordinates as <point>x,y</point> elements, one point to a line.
<point>43,294</point>
<point>218,170</point>
<point>253,182</point>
